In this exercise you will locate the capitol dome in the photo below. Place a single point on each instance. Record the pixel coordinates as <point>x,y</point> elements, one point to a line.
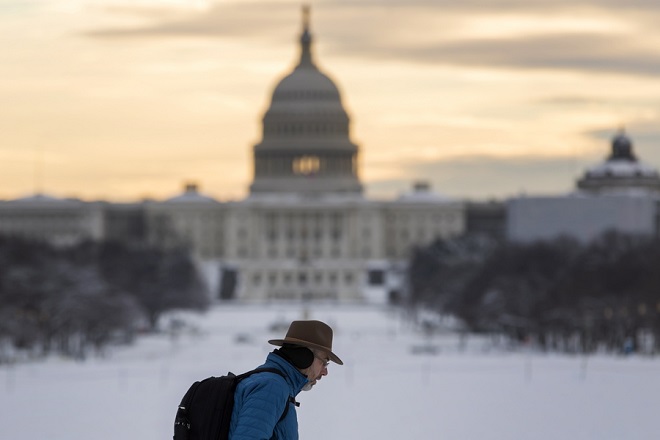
<point>306,147</point>
<point>620,172</point>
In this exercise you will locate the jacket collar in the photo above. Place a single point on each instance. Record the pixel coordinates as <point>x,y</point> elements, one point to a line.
<point>294,377</point>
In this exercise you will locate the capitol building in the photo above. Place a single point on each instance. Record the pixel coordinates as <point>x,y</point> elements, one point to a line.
<point>306,231</point>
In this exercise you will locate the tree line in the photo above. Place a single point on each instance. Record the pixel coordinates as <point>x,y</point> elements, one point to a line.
<point>70,300</point>
<point>559,294</point>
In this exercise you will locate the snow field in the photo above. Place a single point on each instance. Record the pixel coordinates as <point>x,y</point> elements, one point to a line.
<point>383,391</point>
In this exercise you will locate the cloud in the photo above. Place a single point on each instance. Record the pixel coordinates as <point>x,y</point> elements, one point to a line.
<point>425,32</point>
<point>470,176</point>
<point>478,176</point>
<point>572,101</point>
<point>596,54</point>
<point>499,5</point>
<point>220,20</point>
<point>8,7</point>
<point>489,176</point>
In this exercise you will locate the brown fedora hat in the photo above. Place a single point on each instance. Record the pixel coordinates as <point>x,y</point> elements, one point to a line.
<point>311,334</point>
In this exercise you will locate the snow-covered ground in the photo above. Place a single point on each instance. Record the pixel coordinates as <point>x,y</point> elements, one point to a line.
<point>383,391</point>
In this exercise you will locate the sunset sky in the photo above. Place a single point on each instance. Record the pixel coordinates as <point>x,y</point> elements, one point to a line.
<point>122,100</point>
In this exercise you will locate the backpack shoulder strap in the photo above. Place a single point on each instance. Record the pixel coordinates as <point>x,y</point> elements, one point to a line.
<point>260,370</point>
<point>286,407</point>
<point>291,399</point>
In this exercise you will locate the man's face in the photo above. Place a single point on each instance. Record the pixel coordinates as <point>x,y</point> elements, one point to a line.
<point>317,370</point>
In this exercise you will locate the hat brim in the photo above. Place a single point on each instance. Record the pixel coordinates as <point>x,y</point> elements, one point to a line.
<point>333,357</point>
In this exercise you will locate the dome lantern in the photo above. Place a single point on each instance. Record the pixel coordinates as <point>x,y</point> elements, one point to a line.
<point>622,148</point>
<point>306,42</point>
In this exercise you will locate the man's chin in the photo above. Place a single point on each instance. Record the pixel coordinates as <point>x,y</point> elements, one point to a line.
<point>308,386</point>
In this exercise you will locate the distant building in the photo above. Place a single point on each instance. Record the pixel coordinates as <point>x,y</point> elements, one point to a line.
<point>581,216</point>
<point>620,194</point>
<point>306,231</point>
<point>621,173</point>
<point>63,222</point>
<point>486,218</point>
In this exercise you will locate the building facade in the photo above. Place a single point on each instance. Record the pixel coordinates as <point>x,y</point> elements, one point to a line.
<point>619,194</point>
<point>63,222</point>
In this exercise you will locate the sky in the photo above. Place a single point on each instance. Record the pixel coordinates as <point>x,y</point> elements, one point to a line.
<point>383,390</point>
<point>123,100</point>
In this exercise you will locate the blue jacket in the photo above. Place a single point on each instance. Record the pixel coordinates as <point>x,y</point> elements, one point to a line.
<point>260,400</point>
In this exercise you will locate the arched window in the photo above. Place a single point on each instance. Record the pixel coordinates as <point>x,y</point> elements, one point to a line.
<point>306,165</point>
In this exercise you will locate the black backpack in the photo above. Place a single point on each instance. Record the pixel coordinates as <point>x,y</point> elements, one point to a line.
<point>206,408</point>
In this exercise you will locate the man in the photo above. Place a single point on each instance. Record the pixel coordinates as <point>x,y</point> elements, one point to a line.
<point>265,406</point>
